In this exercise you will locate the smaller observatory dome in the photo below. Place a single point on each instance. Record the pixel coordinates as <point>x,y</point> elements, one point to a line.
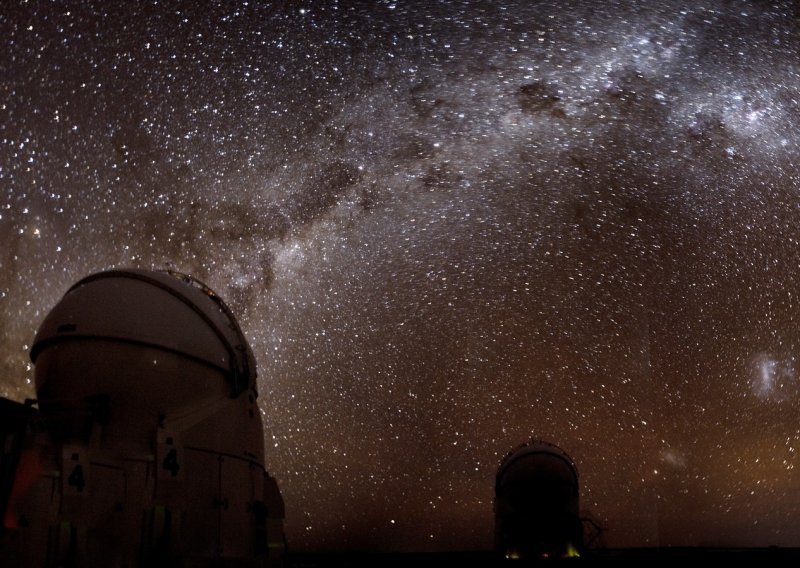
<point>536,503</point>
<point>538,460</point>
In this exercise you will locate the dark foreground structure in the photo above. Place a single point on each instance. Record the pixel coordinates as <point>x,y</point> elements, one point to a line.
<point>145,446</point>
<point>536,504</point>
<point>605,557</point>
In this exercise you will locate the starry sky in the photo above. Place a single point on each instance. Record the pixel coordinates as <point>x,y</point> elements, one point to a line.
<point>445,228</point>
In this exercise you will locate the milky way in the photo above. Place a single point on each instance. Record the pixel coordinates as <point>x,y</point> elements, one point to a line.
<point>445,228</point>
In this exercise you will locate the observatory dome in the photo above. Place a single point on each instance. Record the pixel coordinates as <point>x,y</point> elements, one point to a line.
<point>537,503</point>
<point>148,446</point>
<point>163,310</point>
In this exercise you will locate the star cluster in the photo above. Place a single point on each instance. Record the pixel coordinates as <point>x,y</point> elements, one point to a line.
<point>445,227</point>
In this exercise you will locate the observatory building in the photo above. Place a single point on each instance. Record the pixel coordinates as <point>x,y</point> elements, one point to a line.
<point>536,506</point>
<point>145,445</point>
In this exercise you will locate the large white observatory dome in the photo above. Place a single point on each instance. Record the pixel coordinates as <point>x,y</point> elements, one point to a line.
<point>165,310</point>
<point>147,447</point>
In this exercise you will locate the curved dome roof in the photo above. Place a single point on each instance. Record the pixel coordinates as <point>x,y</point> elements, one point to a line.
<point>537,455</point>
<point>163,309</point>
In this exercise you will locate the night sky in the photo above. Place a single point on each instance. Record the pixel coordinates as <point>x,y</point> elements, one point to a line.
<point>445,228</point>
